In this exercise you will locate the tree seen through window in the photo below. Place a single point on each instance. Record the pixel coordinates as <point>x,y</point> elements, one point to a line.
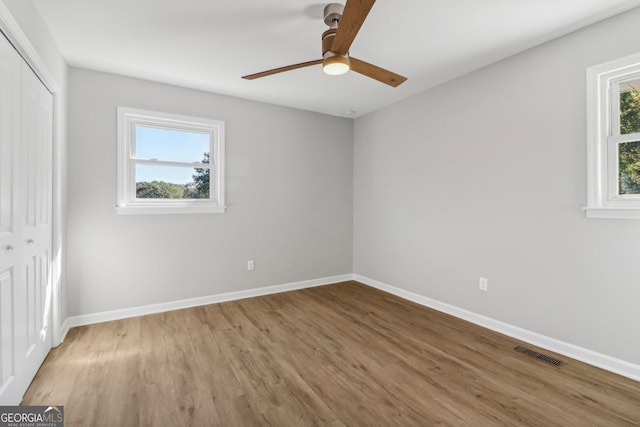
<point>629,152</point>
<point>198,188</point>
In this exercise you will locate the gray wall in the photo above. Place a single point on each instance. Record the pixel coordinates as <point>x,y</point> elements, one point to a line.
<point>486,176</point>
<point>288,192</point>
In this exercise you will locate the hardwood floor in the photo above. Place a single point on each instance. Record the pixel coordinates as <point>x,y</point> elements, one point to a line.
<point>338,355</point>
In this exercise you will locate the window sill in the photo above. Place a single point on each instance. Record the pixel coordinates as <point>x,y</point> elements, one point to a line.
<point>612,213</point>
<point>159,210</point>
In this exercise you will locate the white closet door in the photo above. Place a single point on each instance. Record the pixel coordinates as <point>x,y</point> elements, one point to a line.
<point>11,275</point>
<point>25,218</point>
<point>35,218</point>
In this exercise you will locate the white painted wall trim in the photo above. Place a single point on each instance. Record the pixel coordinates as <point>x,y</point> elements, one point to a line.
<point>599,360</point>
<point>20,41</point>
<point>106,316</point>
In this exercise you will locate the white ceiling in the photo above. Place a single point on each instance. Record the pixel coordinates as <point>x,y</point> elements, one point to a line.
<point>210,44</point>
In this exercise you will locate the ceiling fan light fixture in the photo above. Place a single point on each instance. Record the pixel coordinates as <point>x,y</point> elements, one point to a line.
<point>344,23</point>
<point>336,65</point>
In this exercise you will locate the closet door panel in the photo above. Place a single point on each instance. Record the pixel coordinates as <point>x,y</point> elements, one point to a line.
<point>37,113</point>
<point>36,301</point>
<point>7,351</point>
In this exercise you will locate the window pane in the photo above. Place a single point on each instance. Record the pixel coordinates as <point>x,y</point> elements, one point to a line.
<point>629,166</point>
<point>172,145</point>
<point>168,182</point>
<point>630,107</point>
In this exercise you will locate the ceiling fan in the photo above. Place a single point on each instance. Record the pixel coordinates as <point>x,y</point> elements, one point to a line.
<point>344,23</point>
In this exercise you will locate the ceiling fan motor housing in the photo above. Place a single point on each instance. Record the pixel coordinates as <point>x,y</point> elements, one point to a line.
<point>327,40</point>
<point>333,63</point>
<point>332,15</point>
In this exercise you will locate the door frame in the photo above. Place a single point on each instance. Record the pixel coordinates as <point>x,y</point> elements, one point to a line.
<point>12,30</point>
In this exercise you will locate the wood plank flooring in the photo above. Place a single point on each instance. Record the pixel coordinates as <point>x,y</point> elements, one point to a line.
<point>337,355</point>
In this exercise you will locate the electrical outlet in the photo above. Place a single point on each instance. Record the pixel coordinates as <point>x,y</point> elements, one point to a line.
<point>483,284</point>
<point>251,265</point>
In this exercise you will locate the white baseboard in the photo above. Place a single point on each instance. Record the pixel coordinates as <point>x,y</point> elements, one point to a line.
<point>64,329</point>
<point>599,360</point>
<point>106,316</point>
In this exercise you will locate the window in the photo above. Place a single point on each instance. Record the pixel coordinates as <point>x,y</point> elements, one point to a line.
<point>613,118</point>
<point>169,163</point>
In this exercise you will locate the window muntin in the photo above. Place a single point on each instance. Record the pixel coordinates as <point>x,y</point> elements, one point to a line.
<point>169,163</point>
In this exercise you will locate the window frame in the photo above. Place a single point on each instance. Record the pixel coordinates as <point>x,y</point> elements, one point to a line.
<point>604,139</point>
<point>127,203</point>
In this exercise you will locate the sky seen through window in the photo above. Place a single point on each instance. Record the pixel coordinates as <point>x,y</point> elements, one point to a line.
<point>169,145</point>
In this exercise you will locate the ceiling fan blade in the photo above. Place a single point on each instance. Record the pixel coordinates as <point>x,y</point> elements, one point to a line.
<point>354,14</point>
<point>375,72</point>
<point>282,69</point>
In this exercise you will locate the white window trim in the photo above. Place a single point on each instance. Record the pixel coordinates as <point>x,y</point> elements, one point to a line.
<point>127,204</point>
<point>602,158</point>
